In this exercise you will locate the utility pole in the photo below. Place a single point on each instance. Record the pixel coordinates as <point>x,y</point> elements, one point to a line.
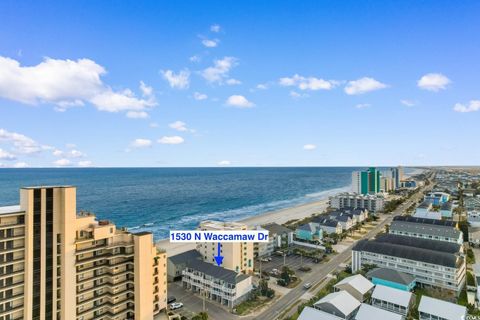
<point>284,258</point>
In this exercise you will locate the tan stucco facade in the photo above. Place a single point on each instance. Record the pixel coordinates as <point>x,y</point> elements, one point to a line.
<point>67,266</point>
<point>237,256</point>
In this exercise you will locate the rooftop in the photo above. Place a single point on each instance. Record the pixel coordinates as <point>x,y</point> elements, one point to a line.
<point>400,297</point>
<point>185,256</point>
<point>342,300</point>
<point>391,275</point>
<point>443,309</point>
<point>368,312</point>
<point>427,229</point>
<point>428,251</point>
<point>358,282</point>
<point>10,209</point>
<point>310,313</point>
<point>216,272</point>
<point>276,228</point>
<point>447,223</point>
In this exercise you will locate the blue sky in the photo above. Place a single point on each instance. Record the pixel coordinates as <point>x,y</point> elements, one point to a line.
<point>245,83</point>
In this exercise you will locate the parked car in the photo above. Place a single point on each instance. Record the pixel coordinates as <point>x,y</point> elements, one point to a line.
<point>176,305</point>
<point>264,260</point>
<point>307,285</point>
<point>171,299</point>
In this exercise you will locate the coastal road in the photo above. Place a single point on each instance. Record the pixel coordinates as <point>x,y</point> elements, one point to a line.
<point>275,310</point>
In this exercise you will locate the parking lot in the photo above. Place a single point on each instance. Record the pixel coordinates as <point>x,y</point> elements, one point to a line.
<point>193,304</point>
<point>293,261</point>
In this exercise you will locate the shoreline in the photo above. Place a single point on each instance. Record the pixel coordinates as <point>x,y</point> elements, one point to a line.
<point>280,216</point>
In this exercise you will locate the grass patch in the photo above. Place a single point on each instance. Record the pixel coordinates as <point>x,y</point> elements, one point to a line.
<point>251,305</point>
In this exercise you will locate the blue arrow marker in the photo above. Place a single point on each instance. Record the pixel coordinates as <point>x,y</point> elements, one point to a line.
<point>218,257</point>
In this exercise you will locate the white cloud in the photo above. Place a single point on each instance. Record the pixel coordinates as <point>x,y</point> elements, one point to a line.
<point>179,80</point>
<point>297,95</point>
<point>220,69</point>
<point>210,43</point>
<point>20,165</point>
<point>65,83</point>
<point>308,83</point>
<point>309,147</point>
<point>408,103</point>
<point>363,105</point>
<point>194,58</point>
<point>215,28</point>
<point>224,163</point>
<point>69,154</point>
<point>75,154</point>
<point>147,91</point>
<point>85,163</point>
<point>141,143</point>
<point>180,126</point>
<point>5,155</point>
<point>22,143</point>
<point>239,101</point>
<point>233,82</point>
<point>262,86</point>
<point>433,82</point>
<point>62,162</point>
<point>57,153</point>
<point>199,96</point>
<point>137,114</point>
<point>171,140</point>
<point>363,85</point>
<point>473,106</point>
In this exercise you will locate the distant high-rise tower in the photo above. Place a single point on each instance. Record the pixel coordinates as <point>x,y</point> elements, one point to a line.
<point>366,182</point>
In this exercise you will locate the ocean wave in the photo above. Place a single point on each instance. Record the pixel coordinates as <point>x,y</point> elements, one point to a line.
<point>253,210</point>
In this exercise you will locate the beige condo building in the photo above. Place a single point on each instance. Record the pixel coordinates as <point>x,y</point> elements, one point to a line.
<point>55,264</point>
<point>237,256</point>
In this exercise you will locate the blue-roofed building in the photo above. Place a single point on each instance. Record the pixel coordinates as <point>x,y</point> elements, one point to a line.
<point>446,209</point>
<point>309,232</point>
<point>392,278</point>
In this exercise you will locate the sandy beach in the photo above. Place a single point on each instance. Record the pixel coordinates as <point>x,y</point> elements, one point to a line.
<point>279,216</point>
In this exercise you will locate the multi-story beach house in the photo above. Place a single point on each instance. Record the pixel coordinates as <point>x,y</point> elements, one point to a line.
<point>237,256</point>
<point>224,286</point>
<point>433,263</point>
<point>372,203</point>
<point>57,264</point>
<point>328,225</point>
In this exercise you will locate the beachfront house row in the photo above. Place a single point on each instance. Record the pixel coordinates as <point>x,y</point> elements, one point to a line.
<point>328,225</point>
<point>345,221</point>
<point>309,232</point>
<point>221,285</point>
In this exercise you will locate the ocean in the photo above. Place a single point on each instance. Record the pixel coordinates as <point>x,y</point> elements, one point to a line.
<point>160,199</point>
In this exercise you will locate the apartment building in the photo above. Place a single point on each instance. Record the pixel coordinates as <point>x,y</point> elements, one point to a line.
<point>441,230</point>
<point>432,263</point>
<point>237,256</point>
<point>224,286</point>
<point>60,265</point>
<point>372,203</point>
